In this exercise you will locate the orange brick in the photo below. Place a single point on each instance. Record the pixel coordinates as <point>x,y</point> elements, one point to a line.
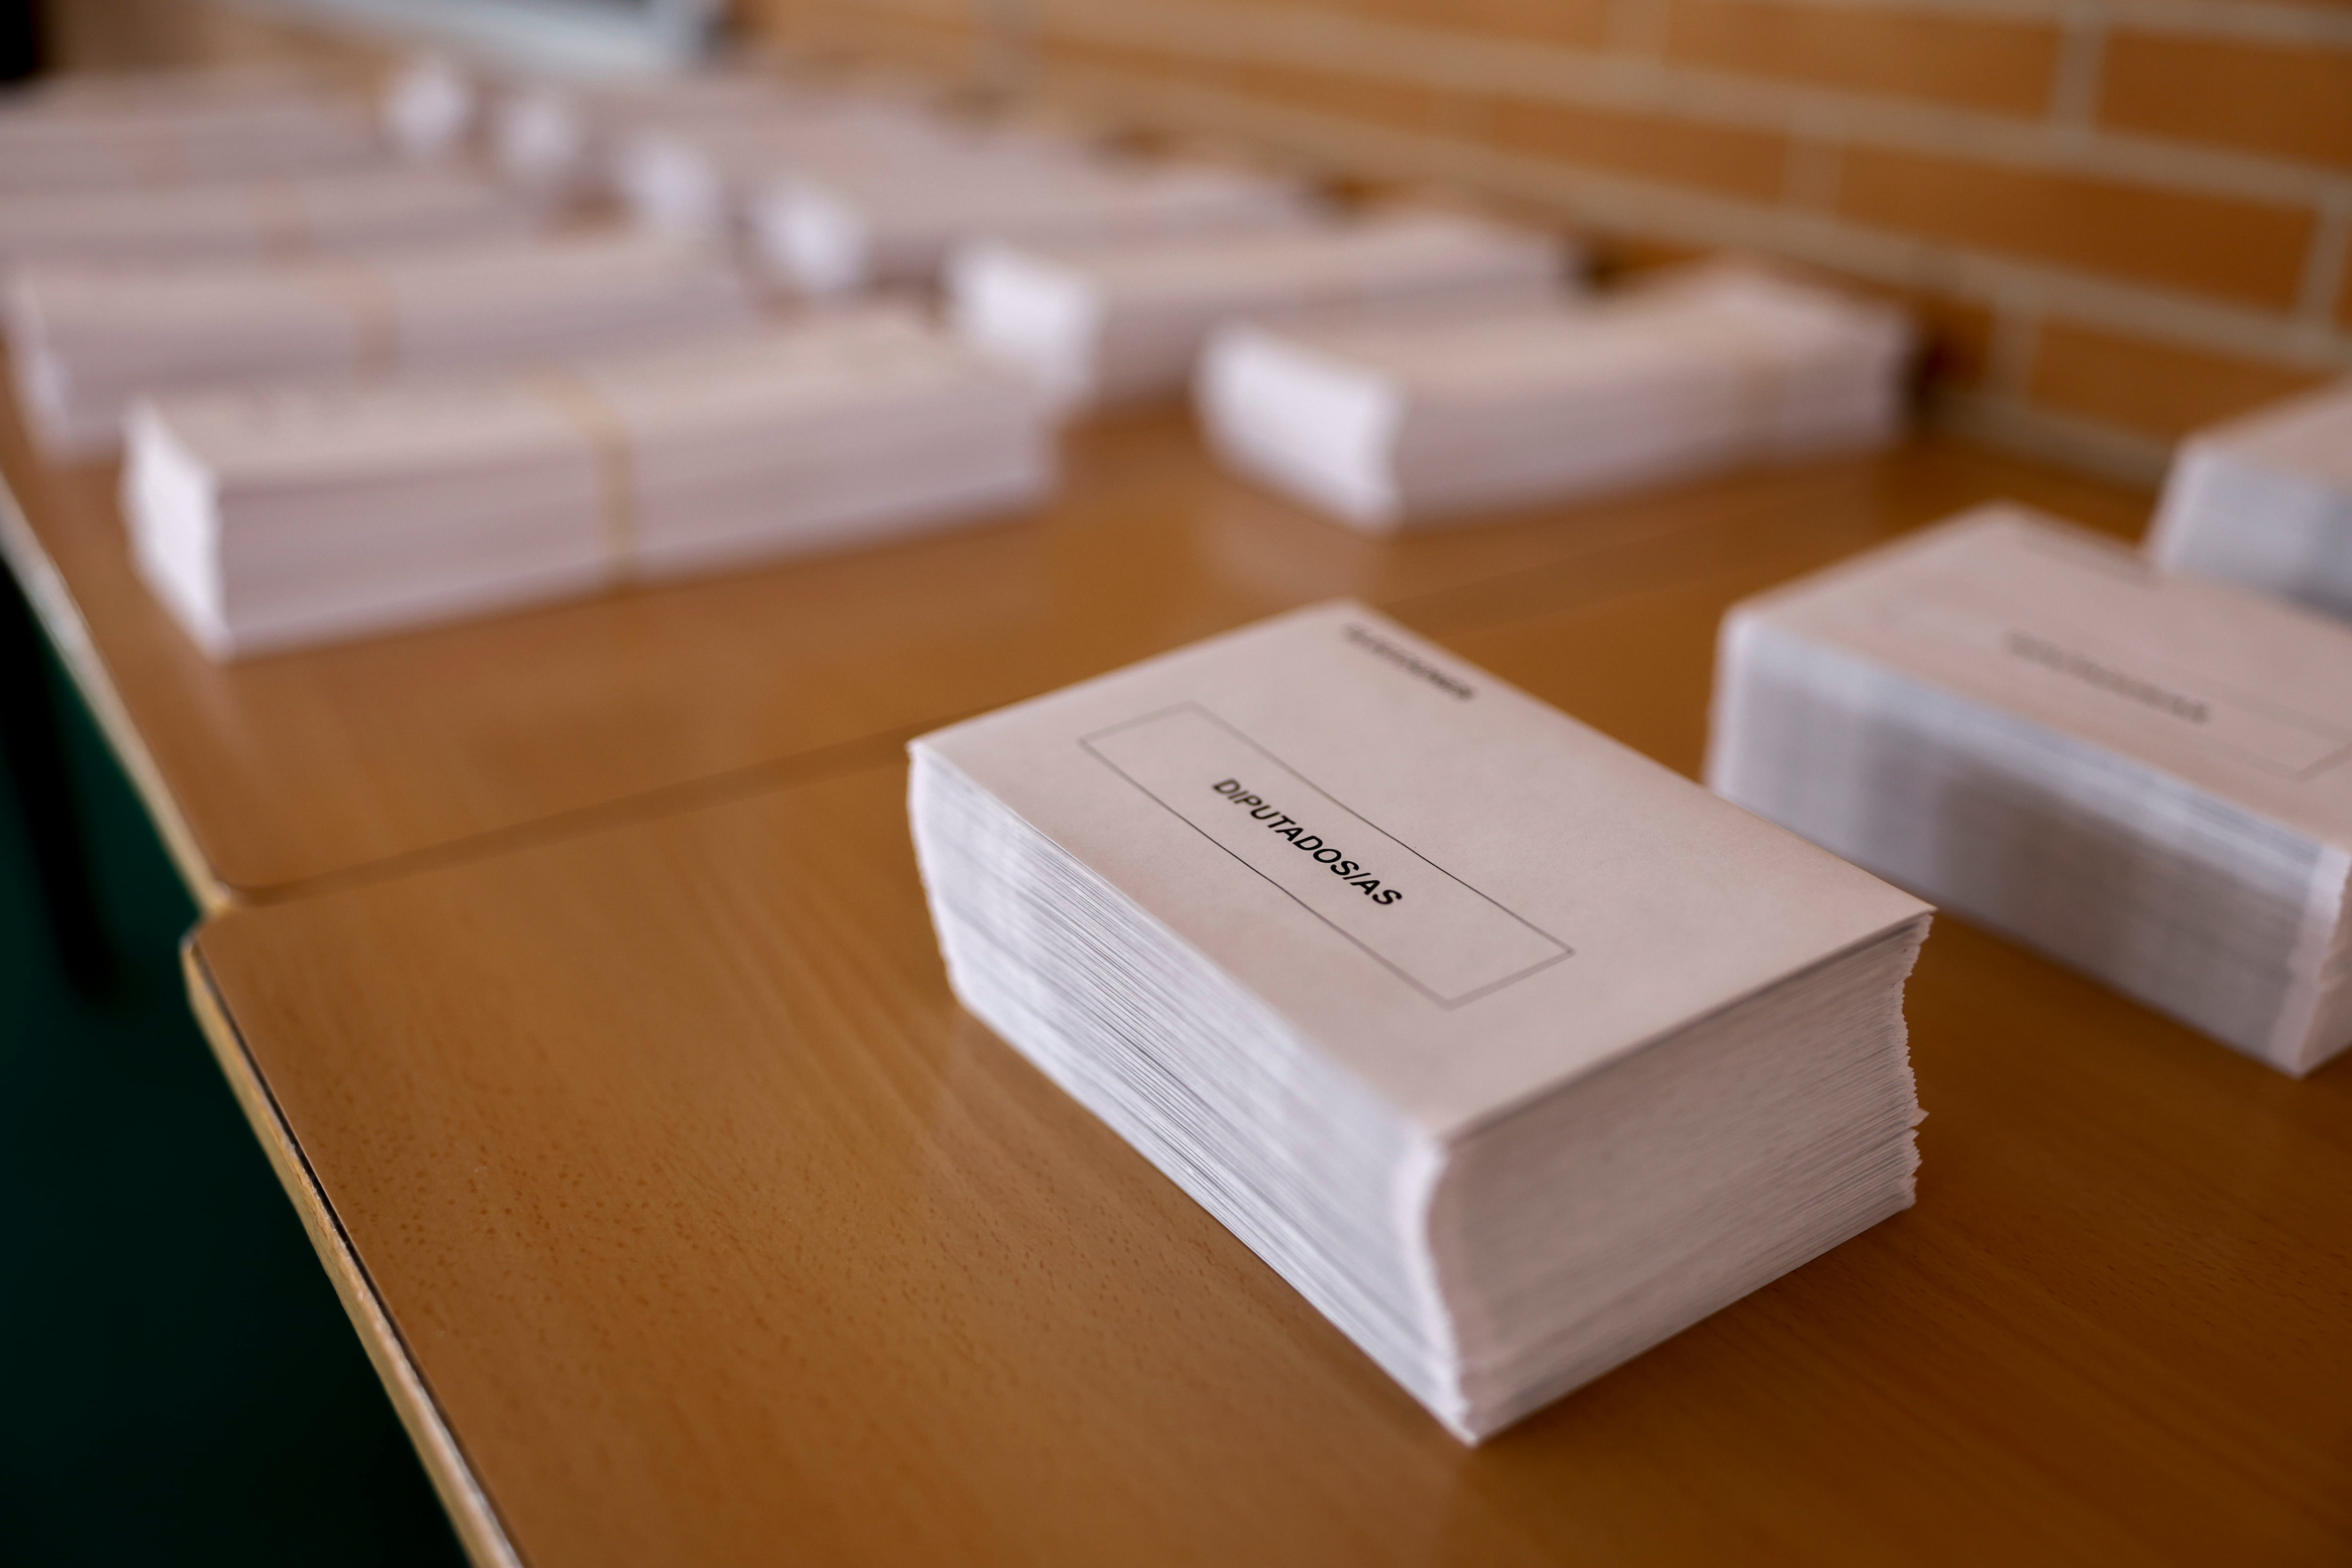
<point>1153,65</point>
<point>1978,63</point>
<point>1744,163</point>
<point>1573,24</point>
<point>1403,105</point>
<point>2155,388</point>
<point>2292,102</point>
<point>2239,249</point>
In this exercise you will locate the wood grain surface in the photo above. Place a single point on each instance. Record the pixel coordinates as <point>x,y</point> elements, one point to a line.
<point>281,774</point>
<point>715,1232</point>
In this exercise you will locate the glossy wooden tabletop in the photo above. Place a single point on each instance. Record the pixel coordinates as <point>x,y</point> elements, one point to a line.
<point>286,773</point>
<point>693,1223</point>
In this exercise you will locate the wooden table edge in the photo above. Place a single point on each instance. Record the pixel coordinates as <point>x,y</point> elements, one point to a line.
<point>68,633</point>
<point>469,1506</point>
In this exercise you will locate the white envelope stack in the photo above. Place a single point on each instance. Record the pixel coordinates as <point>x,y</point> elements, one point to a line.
<point>269,518</point>
<point>176,128</point>
<point>2147,776</point>
<point>84,341</point>
<point>1124,320</point>
<point>2266,501</point>
<point>561,138</point>
<point>699,179</point>
<point>866,223</point>
<point>370,209</point>
<point>1513,1052</point>
<point>1389,423</point>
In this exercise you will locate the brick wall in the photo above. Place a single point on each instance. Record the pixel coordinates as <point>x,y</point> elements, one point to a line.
<point>2122,218</point>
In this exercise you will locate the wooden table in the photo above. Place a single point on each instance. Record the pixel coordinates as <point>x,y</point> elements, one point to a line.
<point>574,971</point>
<point>695,1224</point>
<point>308,770</point>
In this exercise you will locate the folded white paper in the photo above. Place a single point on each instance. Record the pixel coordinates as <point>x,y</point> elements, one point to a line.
<point>2266,501</point>
<point>2144,775</point>
<point>269,518</point>
<point>859,223</point>
<point>166,129</point>
<point>1387,424</point>
<point>1123,319</point>
<point>371,209</point>
<point>1512,1051</point>
<point>84,340</point>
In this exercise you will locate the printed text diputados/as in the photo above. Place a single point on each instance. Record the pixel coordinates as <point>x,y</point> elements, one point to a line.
<point>1328,856</point>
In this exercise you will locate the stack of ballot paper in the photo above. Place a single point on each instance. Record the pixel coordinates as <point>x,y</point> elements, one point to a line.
<point>84,341</point>
<point>1389,423</point>
<point>1122,320</point>
<point>427,107</point>
<point>176,128</point>
<point>371,209</point>
<point>2144,776</point>
<point>1512,1051</point>
<point>2266,501</point>
<point>860,224</point>
<point>698,179</point>
<point>559,137</point>
<point>269,518</point>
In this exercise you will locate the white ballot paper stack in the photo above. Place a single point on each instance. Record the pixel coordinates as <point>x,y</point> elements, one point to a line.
<point>560,137</point>
<point>2146,776</point>
<point>1512,1051</point>
<point>177,128</point>
<point>84,341</point>
<point>858,223</point>
<point>1125,320</point>
<point>371,209</point>
<point>266,519</point>
<point>1389,423</point>
<point>2266,501</point>
<point>700,178</point>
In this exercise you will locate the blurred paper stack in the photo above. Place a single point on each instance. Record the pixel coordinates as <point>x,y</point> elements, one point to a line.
<point>1125,320</point>
<point>2144,776</point>
<point>85,341</point>
<point>175,128</point>
<point>2266,501</point>
<point>864,223</point>
<point>562,139</point>
<point>249,220</point>
<point>271,518</point>
<point>1387,424</point>
<point>1513,1052</point>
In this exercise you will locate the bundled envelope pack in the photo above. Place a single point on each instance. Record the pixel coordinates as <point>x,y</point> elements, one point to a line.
<point>2266,501</point>
<point>245,220</point>
<point>857,224</point>
<point>269,518</point>
<point>146,130</point>
<point>84,341</point>
<point>1123,319</point>
<point>1386,423</point>
<point>1515,1052</point>
<point>2144,776</point>
<point>701,178</point>
<point>562,138</point>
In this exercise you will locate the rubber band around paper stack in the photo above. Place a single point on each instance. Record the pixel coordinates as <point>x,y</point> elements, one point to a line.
<point>1512,1051</point>
<point>2265,500</point>
<point>1389,425</point>
<point>2144,775</point>
<point>272,518</point>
